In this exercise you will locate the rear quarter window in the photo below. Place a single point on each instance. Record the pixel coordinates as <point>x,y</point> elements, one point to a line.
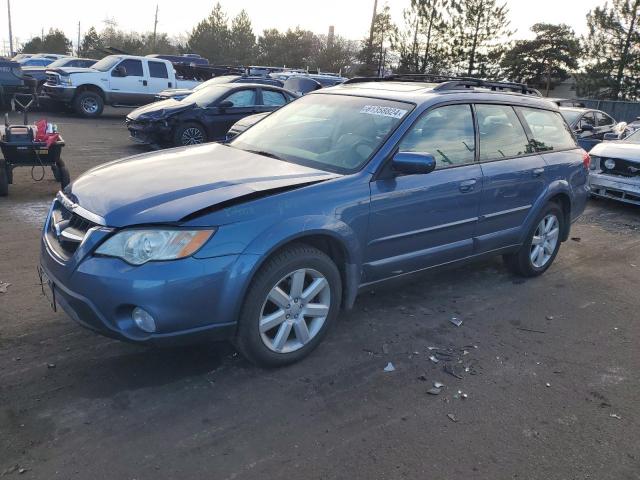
<point>549,130</point>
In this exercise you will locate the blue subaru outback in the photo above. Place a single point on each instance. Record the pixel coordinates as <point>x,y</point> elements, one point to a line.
<point>263,240</point>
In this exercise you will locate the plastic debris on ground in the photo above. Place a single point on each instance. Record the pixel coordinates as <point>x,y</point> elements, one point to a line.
<point>389,367</point>
<point>4,286</point>
<point>434,391</point>
<point>438,384</point>
<point>434,359</point>
<point>51,365</point>
<point>456,321</point>
<point>548,385</point>
<point>615,415</point>
<point>452,417</point>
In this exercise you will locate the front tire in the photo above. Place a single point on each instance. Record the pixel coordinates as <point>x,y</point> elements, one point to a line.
<point>289,307</point>
<point>541,245</point>
<point>88,104</point>
<point>189,133</point>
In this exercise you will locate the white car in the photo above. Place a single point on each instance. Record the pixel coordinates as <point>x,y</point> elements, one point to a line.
<point>615,169</point>
<point>116,80</point>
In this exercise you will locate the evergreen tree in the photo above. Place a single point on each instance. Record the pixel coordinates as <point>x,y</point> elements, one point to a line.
<point>211,38</point>
<point>53,42</point>
<point>243,41</point>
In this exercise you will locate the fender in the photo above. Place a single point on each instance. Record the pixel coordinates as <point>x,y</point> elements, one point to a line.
<point>298,228</point>
<point>556,187</point>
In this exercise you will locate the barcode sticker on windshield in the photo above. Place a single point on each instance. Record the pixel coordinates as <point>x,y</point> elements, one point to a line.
<point>383,111</point>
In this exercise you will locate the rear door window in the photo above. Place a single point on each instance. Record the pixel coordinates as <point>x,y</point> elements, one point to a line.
<point>158,70</point>
<point>587,119</point>
<point>446,133</point>
<point>273,99</point>
<point>501,133</point>
<point>549,130</point>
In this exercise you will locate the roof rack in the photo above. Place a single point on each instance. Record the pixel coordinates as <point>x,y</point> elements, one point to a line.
<point>447,82</point>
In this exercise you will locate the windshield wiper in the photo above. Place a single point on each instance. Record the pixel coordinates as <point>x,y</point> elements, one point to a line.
<point>264,153</point>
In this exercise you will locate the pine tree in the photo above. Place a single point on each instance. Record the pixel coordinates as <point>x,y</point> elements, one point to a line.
<point>242,39</point>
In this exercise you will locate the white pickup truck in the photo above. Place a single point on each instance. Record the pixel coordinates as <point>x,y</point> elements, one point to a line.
<point>116,80</point>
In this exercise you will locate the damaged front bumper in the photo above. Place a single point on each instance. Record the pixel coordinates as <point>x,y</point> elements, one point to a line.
<point>616,187</point>
<point>149,133</point>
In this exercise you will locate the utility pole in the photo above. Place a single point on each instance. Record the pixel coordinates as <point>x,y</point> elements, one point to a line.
<point>78,44</point>
<point>10,31</point>
<point>155,27</point>
<point>373,24</point>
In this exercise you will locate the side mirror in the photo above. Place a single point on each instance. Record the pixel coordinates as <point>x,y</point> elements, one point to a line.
<point>120,71</point>
<point>225,104</point>
<point>412,163</point>
<point>587,128</point>
<point>611,136</point>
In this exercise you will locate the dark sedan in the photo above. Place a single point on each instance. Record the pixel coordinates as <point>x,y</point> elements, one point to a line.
<point>180,93</point>
<point>203,116</point>
<point>588,125</point>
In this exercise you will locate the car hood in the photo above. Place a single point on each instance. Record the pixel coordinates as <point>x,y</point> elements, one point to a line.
<point>167,186</point>
<point>618,149</point>
<point>71,70</point>
<point>161,109</point>
<point>173,92</point>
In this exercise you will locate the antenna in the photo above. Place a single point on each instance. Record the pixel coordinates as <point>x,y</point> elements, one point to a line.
<point>10,32</point>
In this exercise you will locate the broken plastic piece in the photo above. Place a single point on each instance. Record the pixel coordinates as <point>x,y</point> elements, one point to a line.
<point>433,391</point>
<point>438,384</point>
<point>434,359</point>
<point>615,415</point>
<point>456,321</point>
<point>389,367</point>
<point>452,417</point>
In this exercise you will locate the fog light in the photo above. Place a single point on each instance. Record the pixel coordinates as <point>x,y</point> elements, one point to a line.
<point>143,320</point>
<point>609,164</point>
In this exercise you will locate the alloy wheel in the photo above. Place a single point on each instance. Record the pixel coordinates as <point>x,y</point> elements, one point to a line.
<point>192,136</point>
<point>295,310</point>
<point>545,240</point>
<point>89,105</point>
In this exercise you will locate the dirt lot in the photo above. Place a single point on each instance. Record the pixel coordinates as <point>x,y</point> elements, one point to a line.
<point>552,381</point>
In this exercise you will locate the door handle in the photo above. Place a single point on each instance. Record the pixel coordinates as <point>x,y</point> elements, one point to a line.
<point>144,82</point>
<point>467,185</point>
<point>537,172</point>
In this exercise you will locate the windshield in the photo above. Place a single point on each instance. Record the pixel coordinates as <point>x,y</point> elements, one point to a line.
<point>106,63</point>
<point>216,81</point>
<point>634,137</point>
<point>337,133</point>
<point>204,97</point>
<point>61,62</point>
<point>571,115</point>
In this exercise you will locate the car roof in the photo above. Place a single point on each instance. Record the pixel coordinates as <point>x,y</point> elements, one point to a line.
<point>421,92</point>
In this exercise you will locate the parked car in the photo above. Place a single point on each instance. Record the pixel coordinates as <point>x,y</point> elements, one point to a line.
<point>204,116</point>
<point>615,169</point>
<point>180,93</point>
<point>116,80</point>
<point>40,73</point>
<point>13,81</point>
<point>589,126</point>
<point>186,59</point>
<point>326,80</point>
<point>263,240</point>
<point>244,123</point>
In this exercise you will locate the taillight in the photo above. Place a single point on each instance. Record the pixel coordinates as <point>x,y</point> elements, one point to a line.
<point>586,160</point>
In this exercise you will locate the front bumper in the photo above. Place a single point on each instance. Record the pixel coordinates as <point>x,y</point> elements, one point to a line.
<point>61,93</point>
<point>190,299</point>
<point>616,187</point>
<point>148,133</point>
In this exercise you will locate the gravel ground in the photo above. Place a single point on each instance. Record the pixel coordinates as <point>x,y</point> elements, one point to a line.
<point>549,367</point>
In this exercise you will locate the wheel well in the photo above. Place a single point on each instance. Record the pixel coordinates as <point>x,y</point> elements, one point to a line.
<point>331,247</point>
<point>564,202</point>
<point>90,88</point>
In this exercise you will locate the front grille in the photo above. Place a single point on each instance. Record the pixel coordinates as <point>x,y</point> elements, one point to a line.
<point>67,230</point>
<point>53,79</point>
<point>624,168</point>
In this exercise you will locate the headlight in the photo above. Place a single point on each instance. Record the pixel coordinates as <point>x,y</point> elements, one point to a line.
<point>609,164</point>
<point>65,80</point>
<point>138,246</point>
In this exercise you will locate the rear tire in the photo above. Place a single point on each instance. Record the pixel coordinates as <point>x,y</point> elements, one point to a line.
<point>189,133</point>
<point>289,307</point>
<point>541,245</point>
<point>88,104</point>
<point>4,179</point>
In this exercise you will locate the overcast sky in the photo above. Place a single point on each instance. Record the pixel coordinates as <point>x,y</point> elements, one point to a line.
<point>350,17</point>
